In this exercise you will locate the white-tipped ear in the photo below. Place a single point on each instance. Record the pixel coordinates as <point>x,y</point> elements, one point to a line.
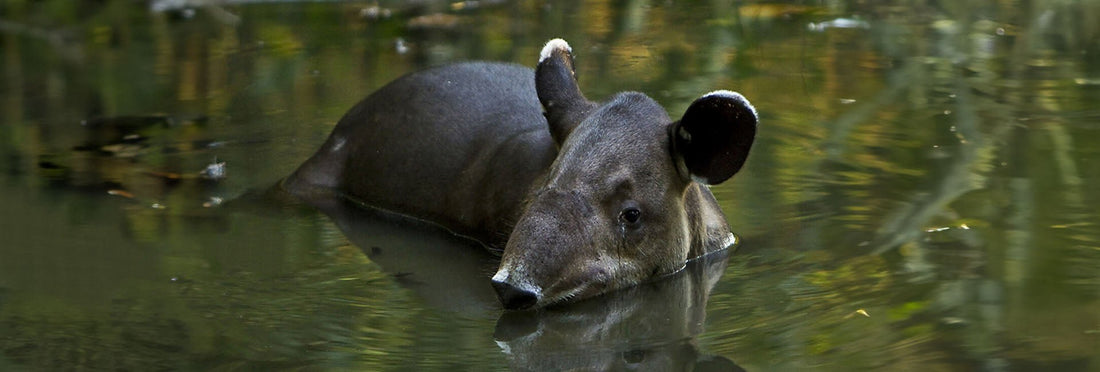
<point>734,96</point>
<point>713,138</point>
<point>552,46</point>
<point>557,89</point>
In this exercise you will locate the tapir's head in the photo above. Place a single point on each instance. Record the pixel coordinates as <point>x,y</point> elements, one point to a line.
<point>613,209</point>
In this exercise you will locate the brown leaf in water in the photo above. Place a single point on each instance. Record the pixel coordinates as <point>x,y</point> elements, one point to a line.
<point>122,193</point>
<point>165,175</point>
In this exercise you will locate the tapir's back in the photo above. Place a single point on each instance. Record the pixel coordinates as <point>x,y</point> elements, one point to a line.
<point>458,145</point>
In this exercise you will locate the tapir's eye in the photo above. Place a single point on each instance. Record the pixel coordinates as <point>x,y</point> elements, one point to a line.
<point>630,215</point>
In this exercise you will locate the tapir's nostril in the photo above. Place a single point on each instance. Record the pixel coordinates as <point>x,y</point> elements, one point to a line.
<point>514,298</point>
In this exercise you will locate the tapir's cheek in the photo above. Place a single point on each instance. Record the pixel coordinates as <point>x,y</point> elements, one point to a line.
<point>598,274</point>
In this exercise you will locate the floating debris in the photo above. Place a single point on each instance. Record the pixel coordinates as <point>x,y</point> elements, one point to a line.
<point>122,193</point>
<point>213,202</point>
<point>858,311</point>
<point>375,12</point>
<point>401,46</point>
<point>215,171</point>
<point>952,321</point>
<point>962,226</point>
<point>838,23</point>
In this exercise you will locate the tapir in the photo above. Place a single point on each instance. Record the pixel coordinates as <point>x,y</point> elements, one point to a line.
<point>583,197</point>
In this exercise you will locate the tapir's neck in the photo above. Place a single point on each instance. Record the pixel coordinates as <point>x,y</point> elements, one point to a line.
<point>707,223</point>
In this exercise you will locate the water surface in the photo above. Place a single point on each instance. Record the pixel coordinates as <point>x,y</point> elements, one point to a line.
<point>918,195</point>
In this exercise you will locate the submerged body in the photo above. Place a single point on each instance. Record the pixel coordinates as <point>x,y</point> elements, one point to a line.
<point>583,198</point>
<point>457,145</point>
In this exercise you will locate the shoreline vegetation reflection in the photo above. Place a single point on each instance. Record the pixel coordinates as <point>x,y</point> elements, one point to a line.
<point>917,198</point>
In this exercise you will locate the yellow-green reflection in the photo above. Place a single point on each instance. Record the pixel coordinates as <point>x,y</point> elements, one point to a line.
<point>919,195</point>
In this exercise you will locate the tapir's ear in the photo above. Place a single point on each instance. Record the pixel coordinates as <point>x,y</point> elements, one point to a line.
<point>556,84</point>
<point>713,138</point>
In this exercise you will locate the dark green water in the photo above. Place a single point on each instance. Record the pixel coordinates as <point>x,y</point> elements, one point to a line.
<point>922,193</point>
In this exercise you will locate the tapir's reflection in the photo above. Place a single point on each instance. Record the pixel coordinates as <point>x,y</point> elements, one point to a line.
<point>446,271</point>
<point>648,327</point>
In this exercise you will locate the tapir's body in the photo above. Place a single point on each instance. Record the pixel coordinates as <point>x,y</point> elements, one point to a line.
<point>583,198</point>
<point>457,145</point>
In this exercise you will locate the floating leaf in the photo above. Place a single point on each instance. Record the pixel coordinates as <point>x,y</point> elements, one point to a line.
<point>122,193</point>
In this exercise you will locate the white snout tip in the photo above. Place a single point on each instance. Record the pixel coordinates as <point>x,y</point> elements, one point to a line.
<point>737,97</point>
<point>500,276</point>
<point>551,46</point>
<point>518,281</point>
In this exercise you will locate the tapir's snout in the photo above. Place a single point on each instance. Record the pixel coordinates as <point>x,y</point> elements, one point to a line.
<point>514,298</point>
